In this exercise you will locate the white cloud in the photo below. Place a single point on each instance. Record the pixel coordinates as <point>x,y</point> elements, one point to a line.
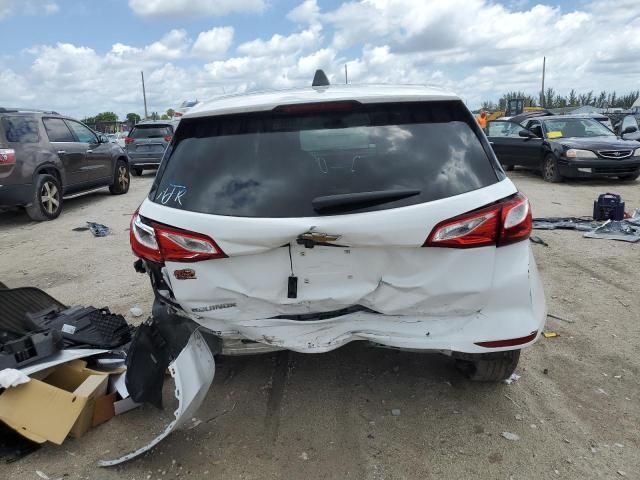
<point>213,43</point>
<point>194,8</point>
<point>279,44</point>
<point>478,48</point>
<point>307,12</point>
<point>27,7</point>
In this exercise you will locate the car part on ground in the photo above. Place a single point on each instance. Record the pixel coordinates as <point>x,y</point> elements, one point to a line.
<point>627,230</point>
<point>193,371</point>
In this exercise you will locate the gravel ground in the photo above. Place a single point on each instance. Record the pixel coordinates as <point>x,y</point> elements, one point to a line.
<point>575,409</point>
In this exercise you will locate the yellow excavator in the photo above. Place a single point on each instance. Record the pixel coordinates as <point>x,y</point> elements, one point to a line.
<point>515,106</point>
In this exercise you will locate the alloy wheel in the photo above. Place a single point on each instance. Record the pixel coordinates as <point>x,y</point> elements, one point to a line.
<point>549,168</point>
<point>50,197</point>
<point>123,177</point>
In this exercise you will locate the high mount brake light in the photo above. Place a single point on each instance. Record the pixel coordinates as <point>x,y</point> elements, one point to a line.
<point>318,107</point>
<point>7,156</point>
<point>160,243</point>
<point>503,223</point>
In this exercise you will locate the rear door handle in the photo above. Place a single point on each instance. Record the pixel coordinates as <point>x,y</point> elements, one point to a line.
<point>61,152</point>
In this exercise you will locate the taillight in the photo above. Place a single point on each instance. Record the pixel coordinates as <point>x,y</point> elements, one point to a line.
<point>143,240</point>
<point>503,223</point>
<point>7,156</point>
<point>128,140</point>
<point>167,138</point>
<point>160,243</point>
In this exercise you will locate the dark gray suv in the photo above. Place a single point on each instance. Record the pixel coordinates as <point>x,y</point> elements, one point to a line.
<point>147,142</point>
<point>46,157</point>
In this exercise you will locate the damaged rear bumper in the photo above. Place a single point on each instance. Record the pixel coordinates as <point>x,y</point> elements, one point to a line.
<point>193,372</point>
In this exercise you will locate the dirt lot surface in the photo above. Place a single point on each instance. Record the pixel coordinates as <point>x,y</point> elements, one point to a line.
<point>576,408</point>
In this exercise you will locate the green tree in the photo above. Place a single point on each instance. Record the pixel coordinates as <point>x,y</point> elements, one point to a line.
<point>133,118</point>
<point>170,112</point>
<point>106,117</point>
<point>164,117</point>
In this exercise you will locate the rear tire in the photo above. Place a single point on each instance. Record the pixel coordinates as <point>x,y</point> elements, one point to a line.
<point>121,179</point>
<point>629,178</point>
<point>490,367</point>
<point>136,171</point>
<point>47,199</point>
<point>550,172</point>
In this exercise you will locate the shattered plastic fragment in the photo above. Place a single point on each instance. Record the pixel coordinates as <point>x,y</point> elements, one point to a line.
<point>513,378</point>
<point>549,334</point>
<point>193,372</point>
<point>510,436</point>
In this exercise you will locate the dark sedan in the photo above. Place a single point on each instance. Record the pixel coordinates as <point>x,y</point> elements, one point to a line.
<point>564,147</point>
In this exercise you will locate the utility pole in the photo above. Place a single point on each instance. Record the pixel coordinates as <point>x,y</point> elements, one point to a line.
<point>346,76</point>
<point>144,95</point>
<point>544,64</point>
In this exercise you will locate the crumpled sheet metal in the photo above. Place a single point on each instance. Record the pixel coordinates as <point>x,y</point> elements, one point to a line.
<point>584,224</point>
<point>193,372</point>
<point>627,230</point>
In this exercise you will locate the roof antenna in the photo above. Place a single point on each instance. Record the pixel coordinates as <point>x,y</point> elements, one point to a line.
<point>320,79</point>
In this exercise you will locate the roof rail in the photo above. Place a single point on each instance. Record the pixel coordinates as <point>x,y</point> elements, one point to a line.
<point>17,109</point>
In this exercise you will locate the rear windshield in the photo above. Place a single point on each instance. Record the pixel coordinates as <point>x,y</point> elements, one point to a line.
<point>275,164</point>
<point>151,131</point>
<point>20,129</point>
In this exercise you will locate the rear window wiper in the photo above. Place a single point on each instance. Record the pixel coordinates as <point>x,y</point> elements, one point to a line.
<point>354,201</point>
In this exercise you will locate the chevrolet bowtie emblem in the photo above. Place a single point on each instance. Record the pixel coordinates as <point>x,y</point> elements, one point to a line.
<point>318,237</point>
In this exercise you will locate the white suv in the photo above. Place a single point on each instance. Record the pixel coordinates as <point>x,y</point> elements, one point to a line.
<point>310,218</point>
<point>307,219</point>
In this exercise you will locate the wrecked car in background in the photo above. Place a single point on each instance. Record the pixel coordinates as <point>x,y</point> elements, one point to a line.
<point>563,146</point>
<point>311,218</point>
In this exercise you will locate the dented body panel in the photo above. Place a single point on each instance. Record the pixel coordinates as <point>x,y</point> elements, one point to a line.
<point>488,306</point>
<point>412,297</point>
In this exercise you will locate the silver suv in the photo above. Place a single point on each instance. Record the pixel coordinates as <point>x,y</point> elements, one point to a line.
<point>146,143</point>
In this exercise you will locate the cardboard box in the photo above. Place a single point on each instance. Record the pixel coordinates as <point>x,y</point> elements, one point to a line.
<point>61,403</point>
<point>104,409</point>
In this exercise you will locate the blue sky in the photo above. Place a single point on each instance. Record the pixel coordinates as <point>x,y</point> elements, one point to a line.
<point>83,57</point>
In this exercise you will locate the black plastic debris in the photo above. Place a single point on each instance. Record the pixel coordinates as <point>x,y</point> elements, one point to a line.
<point>14,446</point>
<point>538,240</point>
<point>608,206</point>
<point>85,326</point>
<point>23,341</point>
<point>34,325</point>
<point>98,229</point>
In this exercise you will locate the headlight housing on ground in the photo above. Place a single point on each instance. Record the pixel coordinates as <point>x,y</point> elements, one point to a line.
<point>576,153</point>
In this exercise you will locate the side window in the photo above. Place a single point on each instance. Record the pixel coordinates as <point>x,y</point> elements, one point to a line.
<point>83,133</point>
<point>536,127</point>
<point>57,130</point>
<point>21,129</point>
<point>503,129</point>
<point>629,121</point>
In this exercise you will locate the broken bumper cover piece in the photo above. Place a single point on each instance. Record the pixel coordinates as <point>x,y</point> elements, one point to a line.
<point>193,372</point>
